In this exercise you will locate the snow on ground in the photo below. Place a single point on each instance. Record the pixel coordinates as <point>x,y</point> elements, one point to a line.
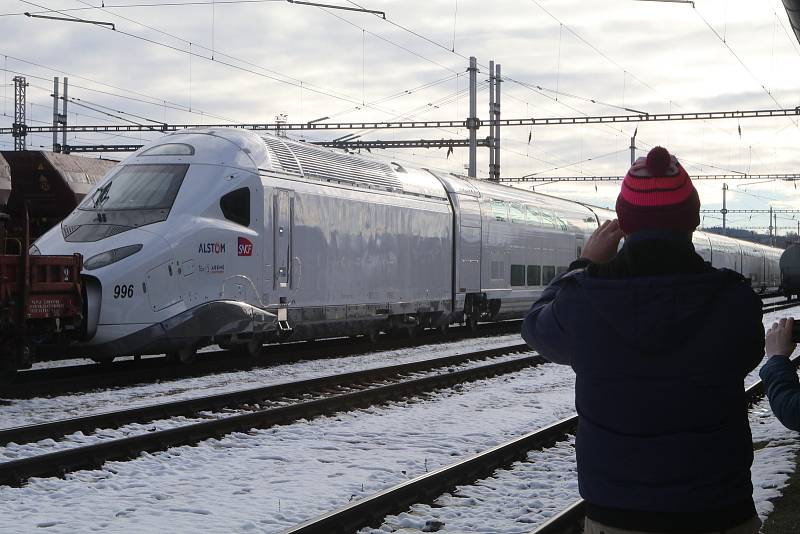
<point>15,451</point>
<point>512,501</point>
<point>17,412</point>
<point>266,481</point>
<point>518,499</point>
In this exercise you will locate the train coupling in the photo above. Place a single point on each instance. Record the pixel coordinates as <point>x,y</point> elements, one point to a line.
<point>283,319</point>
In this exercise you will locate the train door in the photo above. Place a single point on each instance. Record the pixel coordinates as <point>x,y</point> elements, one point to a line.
<point>469,246</point>
<point>282,243</point>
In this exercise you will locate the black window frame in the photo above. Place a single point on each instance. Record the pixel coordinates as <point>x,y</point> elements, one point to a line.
<point>520,276</point>
<point>226,204</point>
<point>538,278</point>
<point>548,274</point>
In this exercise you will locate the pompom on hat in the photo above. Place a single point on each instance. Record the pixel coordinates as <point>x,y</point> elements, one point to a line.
<point>657,194</point>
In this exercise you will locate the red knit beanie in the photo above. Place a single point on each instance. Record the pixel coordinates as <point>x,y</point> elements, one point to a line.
<point>657,194</point>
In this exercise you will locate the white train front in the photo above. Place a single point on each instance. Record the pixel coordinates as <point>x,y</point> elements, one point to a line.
<point>224,236</point>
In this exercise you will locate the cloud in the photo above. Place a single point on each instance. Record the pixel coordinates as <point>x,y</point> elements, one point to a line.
<point>649,56</point>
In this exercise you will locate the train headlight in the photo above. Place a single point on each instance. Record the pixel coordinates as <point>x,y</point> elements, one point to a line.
<point>110,256</point>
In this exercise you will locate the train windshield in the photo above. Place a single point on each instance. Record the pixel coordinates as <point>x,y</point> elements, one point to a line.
<point>138,187</point>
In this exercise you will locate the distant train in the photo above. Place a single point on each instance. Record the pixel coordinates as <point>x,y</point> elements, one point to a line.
<point>790,271</point>
<point>225,236</point>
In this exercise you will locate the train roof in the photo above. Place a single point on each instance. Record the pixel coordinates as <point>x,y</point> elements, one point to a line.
<point>269,153</point>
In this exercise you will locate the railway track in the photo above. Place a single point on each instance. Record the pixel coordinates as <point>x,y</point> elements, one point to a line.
<point>370,511</point>
<point>770,307</point>
<point>58,380</point>
<point>289,402</point>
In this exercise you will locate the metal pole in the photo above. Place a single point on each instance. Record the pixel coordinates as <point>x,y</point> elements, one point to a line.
<point>497,81</point>
<point>771,239</point>
<point>19,127</point>
<point>491,118</point>
<point>56,148</point>
<point>472,121</point>
<point>64,146</point>
<point>633,146</point>
<point>724,210</point>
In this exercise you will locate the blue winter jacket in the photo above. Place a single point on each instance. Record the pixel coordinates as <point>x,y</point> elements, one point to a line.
<point>660,343</point>
<point>783,389</point>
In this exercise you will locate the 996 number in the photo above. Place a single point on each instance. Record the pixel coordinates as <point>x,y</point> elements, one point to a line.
<point>123,291</point>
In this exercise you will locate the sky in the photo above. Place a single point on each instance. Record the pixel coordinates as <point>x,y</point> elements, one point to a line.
<point>248,61</point>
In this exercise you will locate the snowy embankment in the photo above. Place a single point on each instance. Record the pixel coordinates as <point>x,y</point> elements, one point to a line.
<point>15,451</point>
<point>18,412</point>
<point>265,481</point>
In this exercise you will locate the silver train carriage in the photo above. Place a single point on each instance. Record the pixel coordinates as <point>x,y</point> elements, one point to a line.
<point>224,236</point>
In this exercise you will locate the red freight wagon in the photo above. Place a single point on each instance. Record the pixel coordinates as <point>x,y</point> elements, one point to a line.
<point>41,301</point>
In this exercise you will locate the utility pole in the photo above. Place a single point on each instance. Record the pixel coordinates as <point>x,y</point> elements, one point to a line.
<point>56,148</point>
<point>472,122</point>
<point>491,117</point>
<point>19,128</point>
<point>494,116</point>
<point>64,145</point>
<point>771,237</point>
<point>497,81</point>
<point>633,147</point>
<point>60,119</point>
<point>724,210</point>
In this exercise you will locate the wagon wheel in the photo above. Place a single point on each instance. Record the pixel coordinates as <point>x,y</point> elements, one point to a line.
<point>372,335</point>
<point>184,355</point>
<point>444,329</point>
<point>472,323</point>
<point>414,331</point>
<point>250,349</point>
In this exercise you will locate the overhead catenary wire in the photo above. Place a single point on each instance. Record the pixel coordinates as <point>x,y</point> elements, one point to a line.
<point>452,47</point>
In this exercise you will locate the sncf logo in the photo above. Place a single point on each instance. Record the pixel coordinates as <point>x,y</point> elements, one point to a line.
<point>245,247</point>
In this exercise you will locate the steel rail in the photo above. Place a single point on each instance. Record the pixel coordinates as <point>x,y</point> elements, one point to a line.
<point>370,511</point>
<point>189,407</point>
<point>84,377</point>
<point>16,472</point>
<point>769,308</point>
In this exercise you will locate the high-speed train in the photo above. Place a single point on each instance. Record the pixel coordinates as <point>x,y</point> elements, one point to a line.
<point>225,236</point>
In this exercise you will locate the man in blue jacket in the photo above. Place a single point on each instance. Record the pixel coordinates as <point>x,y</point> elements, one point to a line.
<point>660,343</point>
<point>780,378</point>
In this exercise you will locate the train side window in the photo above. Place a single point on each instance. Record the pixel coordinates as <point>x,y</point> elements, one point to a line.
<point>236,206</point>
<point>548,220</point>
<point>548,273</point>
<point>534,217</point>
<point>499,210</point>
<point>517,213</point>
<point>534,275</point>
<point>497,268</point>
<point>517,275</point>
